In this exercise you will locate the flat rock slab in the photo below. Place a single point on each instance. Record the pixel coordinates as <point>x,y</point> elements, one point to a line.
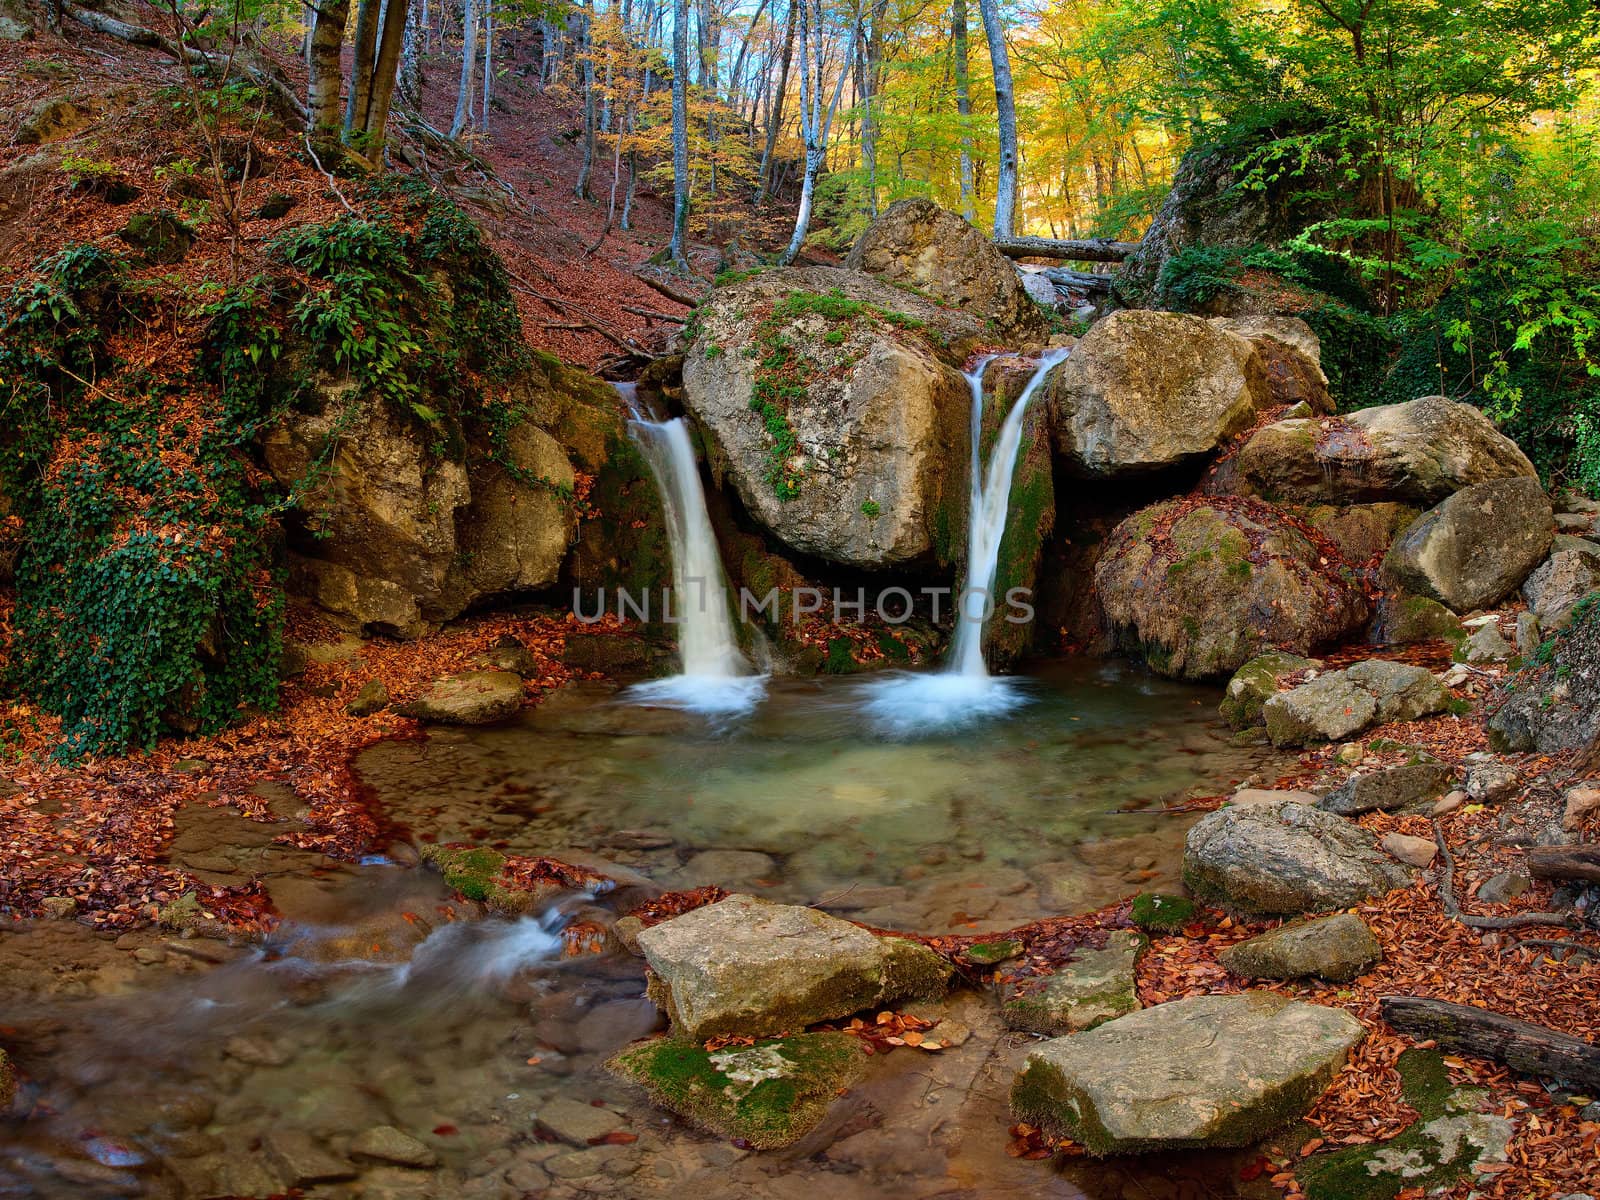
<point>1285,858</point>
<point>1209,1071</point>
<point>1339,704</point>
<point>768,1095</point>
<point>578,1123</point>
<point>470,698</point>
<point>1390,789</point>
<point>1090,988</point>
<point>1336,948</point>
<point>744,966</point>
<point>385,1143</point>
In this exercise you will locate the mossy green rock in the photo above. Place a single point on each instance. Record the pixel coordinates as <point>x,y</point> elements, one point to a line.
<point>988,954</point>
<point>1403,619</point>
<point>769,1095</point>
<point>1209,1071</point>
<point>477,873</point>
<point>1337,948</point>
<point>1155,913</point>
<point>159,238</point>
<point>1092,987</point>
<point>1255,683</point>
<point>748,967</point>
<point>1450,1138</point>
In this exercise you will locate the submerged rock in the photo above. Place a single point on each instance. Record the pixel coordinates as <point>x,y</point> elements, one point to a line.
<point>919,245</point>
<point>1389,789</point>
<point>1419,452</point>
<point>1199,590</point>
<point>1284,858</point>
<point>768,1095</point>
<point>470,698</point>
<point>1148,390</point>
<point>1255,683</point>
<point>1475,548</point>
<point>509,885</point>
<point>1090,988</point>
<point>1209,1071</point>
<point>748,967</point>
<point>1336,948</point>
<point>385,1143</point>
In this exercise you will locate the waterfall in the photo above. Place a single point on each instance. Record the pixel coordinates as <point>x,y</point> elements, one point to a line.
<point>907,704</point>
<point>986,515</point>
<point>716,678</point>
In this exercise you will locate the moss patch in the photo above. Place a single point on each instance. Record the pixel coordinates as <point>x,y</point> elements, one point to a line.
<point>1155,913</point>
<point>769,1094</point>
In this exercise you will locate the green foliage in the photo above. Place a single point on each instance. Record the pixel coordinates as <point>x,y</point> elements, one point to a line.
<point>870,509</point>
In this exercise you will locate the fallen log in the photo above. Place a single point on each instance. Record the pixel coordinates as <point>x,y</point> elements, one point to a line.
<point>1081,249</point>
<point>677,297</point>
<point>1083,281</point>
<point>1520,1045</point>
<point>1565,862</point>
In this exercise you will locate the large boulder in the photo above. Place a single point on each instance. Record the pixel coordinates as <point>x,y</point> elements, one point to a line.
<point>1148,390</point>
<point>1257,682</point>
<point>1418,452</point>
<point>834,404</point>
<point>1474,549</point>
<point>1208,1071</point>
<point>917,244</point>
<point>1284,858</point>
<point>1336,705</point>
<point>1291,356</point>
<point>746,967</point>
<point>469,698</point>
<point>1554,703</point>
<point>1558,584</point>
<point>397,536</point>
<point>1199,590</point>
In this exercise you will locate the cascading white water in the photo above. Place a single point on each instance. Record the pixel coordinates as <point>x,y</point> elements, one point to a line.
<point>906,704</point>
<point>716,679</point>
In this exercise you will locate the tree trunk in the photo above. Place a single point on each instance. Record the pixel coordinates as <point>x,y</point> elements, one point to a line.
<point>814,123</point>
<point>1084,249</point>
<point>872,79</point>
<point>469,65</point>
<point>1005,197</point>
<point>964,104</point>
<point>488,63</point>
<point>1565,862</point>
<point>411,55</point>
<point>366,49</point>
<point>586,48</point>
<point>680,132</point>
<point>384,75</point>
<point>322,91</point>
<point>775,121</point>
<point>1521,1045</point>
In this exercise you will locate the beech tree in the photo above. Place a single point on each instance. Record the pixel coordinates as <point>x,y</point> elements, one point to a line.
<point>815,121</point>
<point>680,133</point>
<point>1005,199</point>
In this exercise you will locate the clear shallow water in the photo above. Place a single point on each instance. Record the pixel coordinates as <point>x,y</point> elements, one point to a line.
<point>176,1074</point>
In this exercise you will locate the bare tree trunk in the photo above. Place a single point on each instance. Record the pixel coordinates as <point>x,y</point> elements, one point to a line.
<point>411,55</point>
<point>958,35</point>
<point>590,127</point>
<point>488,61</point>
<point>775,122</point>
<point>308,14</point>
<point>814,123</point>
<point>366,48</point>
<point>325,77</point>
<point>384,75</point>
<point>469,65</point>
<point>1005,199</point>
<point>680,132</point>
<point>872,80</point>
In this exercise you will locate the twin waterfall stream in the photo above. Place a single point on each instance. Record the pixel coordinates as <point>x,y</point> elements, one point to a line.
<point>718,680</point>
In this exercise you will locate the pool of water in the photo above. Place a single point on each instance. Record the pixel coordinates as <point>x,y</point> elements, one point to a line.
<point>188,1068</point>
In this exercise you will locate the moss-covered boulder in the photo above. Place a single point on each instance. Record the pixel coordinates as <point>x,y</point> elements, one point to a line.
<point>1094,985</point>
<point>1144,391</point>
<point>1209,1071</point>
<point>1403,619</point>
<point>1362,533</point>
<point>1452,1136</point>
<point>1257,682</point>
<point>767,1095</point>
<point>747,967</point>
<point>1336,948</point>
<point>1199,589</point>
<point>835,406</point>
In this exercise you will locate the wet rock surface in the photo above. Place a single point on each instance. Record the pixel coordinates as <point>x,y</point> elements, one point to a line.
<point>1095,985</point>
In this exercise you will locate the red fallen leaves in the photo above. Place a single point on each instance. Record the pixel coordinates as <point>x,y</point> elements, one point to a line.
<point>674,904</point>
<point>890,1030</point>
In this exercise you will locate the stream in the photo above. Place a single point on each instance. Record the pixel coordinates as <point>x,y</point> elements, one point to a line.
<point>168,1067</point>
